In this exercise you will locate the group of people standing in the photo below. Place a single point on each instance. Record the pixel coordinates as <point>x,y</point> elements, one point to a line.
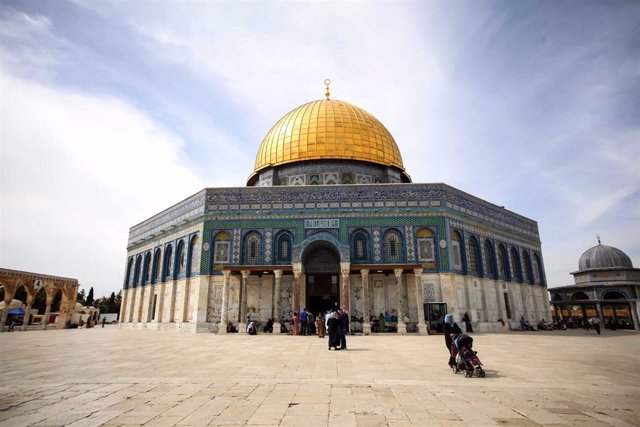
<point>335,324</point>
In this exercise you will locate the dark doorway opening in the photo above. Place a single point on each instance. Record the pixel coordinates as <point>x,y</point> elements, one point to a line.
<point>322,269</point>
<point>323,292</point>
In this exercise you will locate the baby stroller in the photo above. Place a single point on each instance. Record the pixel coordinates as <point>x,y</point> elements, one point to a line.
<point>466,359</point>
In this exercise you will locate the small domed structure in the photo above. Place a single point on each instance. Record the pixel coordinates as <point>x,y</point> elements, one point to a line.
<point>603,256</point>
<point>606,286</point>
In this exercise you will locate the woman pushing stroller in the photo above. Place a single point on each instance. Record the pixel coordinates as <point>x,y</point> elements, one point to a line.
<point>451,331</point>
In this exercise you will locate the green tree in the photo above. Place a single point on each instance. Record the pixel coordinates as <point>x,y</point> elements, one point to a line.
<point>81,297</point>
<point>90,297</point>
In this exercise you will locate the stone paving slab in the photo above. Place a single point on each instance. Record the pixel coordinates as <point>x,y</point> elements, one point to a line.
<point>122,377</point>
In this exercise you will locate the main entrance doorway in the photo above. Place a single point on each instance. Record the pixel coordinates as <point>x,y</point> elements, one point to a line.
<point>322,269</point>
<point>322,292</point>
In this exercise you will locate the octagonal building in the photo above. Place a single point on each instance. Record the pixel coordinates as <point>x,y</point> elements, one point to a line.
<point>330,218</point>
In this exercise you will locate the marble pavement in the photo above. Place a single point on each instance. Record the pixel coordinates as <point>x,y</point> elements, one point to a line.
<point>118,377</point>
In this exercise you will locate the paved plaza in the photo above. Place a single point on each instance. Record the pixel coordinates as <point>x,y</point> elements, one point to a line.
<point>115,377</point>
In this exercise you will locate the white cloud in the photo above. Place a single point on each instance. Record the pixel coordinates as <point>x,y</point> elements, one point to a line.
<point>77,172</point>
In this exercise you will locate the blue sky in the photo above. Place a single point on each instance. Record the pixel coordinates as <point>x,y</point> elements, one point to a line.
<point>113,111</point>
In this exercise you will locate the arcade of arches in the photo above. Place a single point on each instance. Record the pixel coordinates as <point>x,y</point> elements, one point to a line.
<point>27,288</point>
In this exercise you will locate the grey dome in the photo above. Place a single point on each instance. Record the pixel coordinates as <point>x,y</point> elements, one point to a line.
<point>603,256</point>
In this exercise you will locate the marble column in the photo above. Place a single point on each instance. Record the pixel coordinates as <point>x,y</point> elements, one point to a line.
<point>276,301</point>
<point>345,295</point>
<point>242,323</point>
<point>47,312</point>
<point>422,327</point>
<point>366,313</point>
<point>27,314</point>
<point>9,290</point>
<point>185,300</point>
<point>295,306</point>
<point>224,312</point>
<point>402,327</point>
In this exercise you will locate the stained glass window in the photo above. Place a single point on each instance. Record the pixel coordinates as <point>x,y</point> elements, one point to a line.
<point>392,246</point>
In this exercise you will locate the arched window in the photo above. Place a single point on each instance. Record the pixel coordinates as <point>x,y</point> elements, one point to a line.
<point>577,296</point>
<point>168,262</point>
<point>181,257</point>
<point>489,258</point>
<point>360,246</point>
<point>155,274</point>
<point>537,269</point>
<point>456,249</point>
<point>222,248</point>
<point>516,266</point>
<point>426,248</point>
<point>503,262</point>
<point>614,295</point>
<point>194,256</point>
<point>146,271</point>
<point>127,279</point>
<point>252,248</point>
<point>473,255</point>
<point>136,271</point>
<point>283,247</point>
<point>528,275</point>
<point>393,246</point>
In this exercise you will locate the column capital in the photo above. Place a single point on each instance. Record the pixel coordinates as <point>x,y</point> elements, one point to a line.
<point>364,273</point>
<point>345,274</point>
<point>398,272</point>
<point>277,273</point>
<point>245,273</point>
<point>417,272</point>
<point>296,274</point>
<point>226,274</point>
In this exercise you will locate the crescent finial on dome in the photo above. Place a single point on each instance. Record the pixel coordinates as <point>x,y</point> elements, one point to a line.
<point>327,82</point>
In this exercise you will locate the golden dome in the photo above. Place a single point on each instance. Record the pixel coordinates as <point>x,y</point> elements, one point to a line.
<point>328,129</point>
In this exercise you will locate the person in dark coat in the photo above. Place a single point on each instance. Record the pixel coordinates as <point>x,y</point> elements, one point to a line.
<point>467,322</point>
<point>343,328</point>
<point>332,327</point>
<point>451,331</point>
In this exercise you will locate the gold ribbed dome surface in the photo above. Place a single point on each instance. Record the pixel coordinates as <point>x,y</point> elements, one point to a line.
<point>328,129</point>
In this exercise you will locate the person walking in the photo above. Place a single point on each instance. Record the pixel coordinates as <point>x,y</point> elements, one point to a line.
<point>104,320</point>
<point>595,322</point>
<point>320,325</point>
<point>296,320</point>
<point>304,322</point>
<point>332,328</point>
<point>467,322</point>
<point>343,328</point>
<point>451,331</point>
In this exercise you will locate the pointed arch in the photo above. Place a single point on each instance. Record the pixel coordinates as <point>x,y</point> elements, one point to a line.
<point>146,270</point>
<point>167,269</point>
<point>516,265</point>
<point>360,243</point>
<point>490,259</point>
<point>128,279</point>
<point>181,259</point>
<point>503,263</point>
<point>194,256</point>
<point>252,248</point>
<point>425,243</point>
<point>284,244</point>
<point>475,261</point>
<point>137,271</point>
<point>456,249</point>
<point>528,271</point>
<point>393,245</point>
<point>156,270</point>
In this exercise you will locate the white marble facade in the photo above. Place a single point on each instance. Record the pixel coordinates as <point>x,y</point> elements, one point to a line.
<point>483,299</point>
